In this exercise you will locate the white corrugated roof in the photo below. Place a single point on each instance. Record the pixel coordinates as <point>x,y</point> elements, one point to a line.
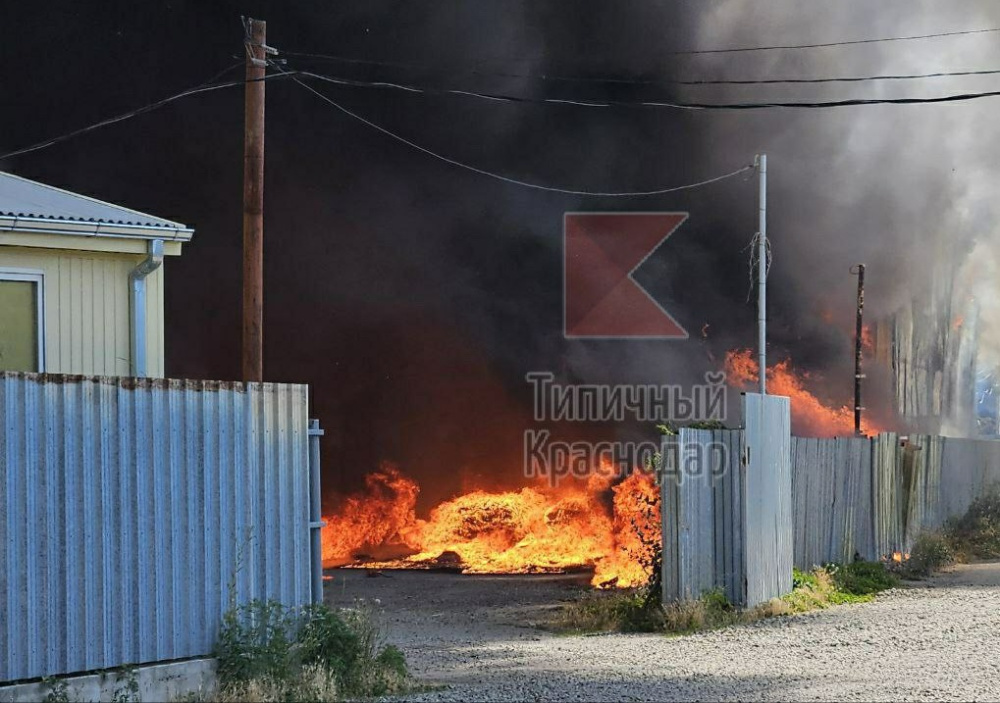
<point>23,198</point>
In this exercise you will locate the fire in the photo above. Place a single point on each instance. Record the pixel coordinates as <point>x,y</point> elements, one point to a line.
<point>536,529</point>
<point>384,514</point>
<point>810,416</point>
<point>636,533</point>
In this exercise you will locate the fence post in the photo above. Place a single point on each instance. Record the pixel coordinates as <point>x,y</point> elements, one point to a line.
<point>315,509</point>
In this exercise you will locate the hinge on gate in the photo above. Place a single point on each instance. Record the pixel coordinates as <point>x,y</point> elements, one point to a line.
<point>317,524</point>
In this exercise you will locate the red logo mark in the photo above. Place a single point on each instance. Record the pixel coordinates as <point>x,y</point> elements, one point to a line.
<point>602,251</point>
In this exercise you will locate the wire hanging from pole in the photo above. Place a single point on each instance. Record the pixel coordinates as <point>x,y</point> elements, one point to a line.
<point>515,181</point>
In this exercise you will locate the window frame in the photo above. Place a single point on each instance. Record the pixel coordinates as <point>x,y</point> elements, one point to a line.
<point>36,276</point>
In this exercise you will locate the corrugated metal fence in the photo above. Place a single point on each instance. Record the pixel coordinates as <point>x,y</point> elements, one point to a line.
<point>133,509</point>
<point>727,517</point>
<point>832,494</point>
<point>702,515</point>
<point>969,468</point>
<point>873,497</point>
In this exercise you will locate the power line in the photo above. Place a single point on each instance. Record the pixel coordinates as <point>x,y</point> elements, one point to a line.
<point>836,43</point>
<point>839,79</point>
<point>689,52</point>
<point>640,81</point>
<point>497,97</point>
<point>202,88</point>
<point>514,181</point>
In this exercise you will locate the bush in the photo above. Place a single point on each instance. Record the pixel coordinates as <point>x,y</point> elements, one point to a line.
<point>976,535</point>
<point>380,669</point>
<point>267,652</point>
<point>255,642</point>
<point>931,552</point>
<point>325,639</point>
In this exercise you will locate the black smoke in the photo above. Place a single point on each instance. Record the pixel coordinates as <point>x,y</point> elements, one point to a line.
<point>413,296</point>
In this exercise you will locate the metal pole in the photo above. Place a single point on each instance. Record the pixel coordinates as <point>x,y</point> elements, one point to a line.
<point>762,272</point>
<point>253,202</point>
<point>857,350</point>
<point>315,513</point>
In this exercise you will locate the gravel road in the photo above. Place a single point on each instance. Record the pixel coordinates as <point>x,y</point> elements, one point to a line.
<point>474,637</point>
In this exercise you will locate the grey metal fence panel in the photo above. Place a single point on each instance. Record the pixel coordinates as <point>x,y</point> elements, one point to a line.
<point>767,504</point>
<point>701,526</point>
<point>862,500</point>
<point>922,486</point>
<point>969,468</point>
<point>670,489</point>
<point>134,508</point>
<point>887,503</point>
<point>831,486</point>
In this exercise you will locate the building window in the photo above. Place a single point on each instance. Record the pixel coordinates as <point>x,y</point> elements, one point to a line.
<point>21,320</point>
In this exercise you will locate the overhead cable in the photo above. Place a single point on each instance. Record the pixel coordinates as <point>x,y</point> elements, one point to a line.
<point>585,102</point>
<point>515,181</point>
<point>132,113</point>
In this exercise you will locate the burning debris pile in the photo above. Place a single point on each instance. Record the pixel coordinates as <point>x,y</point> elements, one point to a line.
<point>537,529</point>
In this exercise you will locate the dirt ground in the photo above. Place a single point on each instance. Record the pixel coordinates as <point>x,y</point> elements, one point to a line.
<point>475,638</point>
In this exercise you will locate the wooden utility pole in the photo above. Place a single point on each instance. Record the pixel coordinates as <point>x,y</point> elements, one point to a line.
<point>253,202</point>
<point>858,347</point>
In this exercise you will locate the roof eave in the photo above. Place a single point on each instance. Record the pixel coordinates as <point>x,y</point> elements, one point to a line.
<point>80,228</point>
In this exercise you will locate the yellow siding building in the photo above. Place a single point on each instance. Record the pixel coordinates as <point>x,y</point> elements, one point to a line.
<point>81,283</point>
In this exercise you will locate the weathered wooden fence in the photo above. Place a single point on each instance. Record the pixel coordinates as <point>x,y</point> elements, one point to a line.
<point>133,510</point>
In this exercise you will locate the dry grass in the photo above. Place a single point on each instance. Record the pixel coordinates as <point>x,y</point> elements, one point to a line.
<point>631,612</point>
<point>976,535</point>
<point>269,652</point>
<point>314,684</point>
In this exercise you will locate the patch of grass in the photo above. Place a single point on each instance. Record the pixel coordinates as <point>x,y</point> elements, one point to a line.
<point>859,581</point>
<point>267,652</point>
<point>836,584</point>
<point>976,535</point>
<point>608,611</point>
<point>632,611</point>
<point>629,611</point>
<point>314,683</point>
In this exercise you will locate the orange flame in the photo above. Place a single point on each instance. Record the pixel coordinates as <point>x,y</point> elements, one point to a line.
<point>533,530</point>
<point>810,416</point>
